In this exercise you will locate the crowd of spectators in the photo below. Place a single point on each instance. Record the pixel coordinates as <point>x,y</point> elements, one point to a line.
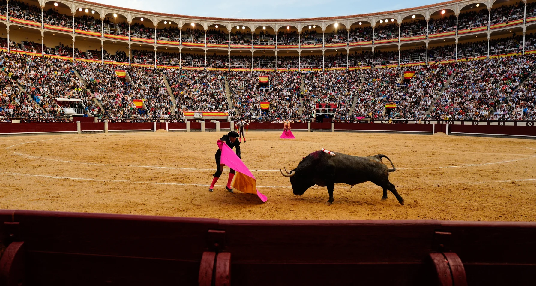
<point>363,58</point>
<point>441,53</point>
<point>215,36</point>
<point>3,7</point>
<point>171,33</point>
<point>487,89</point>
<point>198,90</point>
<point>415,55</point>
<point>311,37</point>
<point>413,28</point>
<point>239,37</point>
<point>21,10</point>
<point>143,57</point>
<point>114,27</point>
<point>263,38</point>
<point>54,18</point>
<point>473,19</point>
<point>168,58</point>
<point>264,62</point>
<point>88,23</point>
<point>288,38</point>
<point>120,57</point>
<point>442,25</point>
<point>501,46</point>
<point>360,34</point>
<point>139,30</point>
<point>507,13</point>
<point>472,49</point>
<point>386,31</point>
<point>243,62</point>
<point>336,37</point>
<point>60,50</point>
<point>283,92</point>
<point>217,61</point>
<point>288,62</point>
<point>336,61</point>
<point>193,35</point>
<point>193,60</point>
<point>311,61</point>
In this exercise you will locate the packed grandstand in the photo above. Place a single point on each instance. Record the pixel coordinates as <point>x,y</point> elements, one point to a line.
<point>457,60</point>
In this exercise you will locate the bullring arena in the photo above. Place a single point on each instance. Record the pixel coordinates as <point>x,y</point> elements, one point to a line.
<point>168,173</point>
<point>109,118</point>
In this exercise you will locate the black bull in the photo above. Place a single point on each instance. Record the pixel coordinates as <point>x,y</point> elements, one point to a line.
<point>323,169</point>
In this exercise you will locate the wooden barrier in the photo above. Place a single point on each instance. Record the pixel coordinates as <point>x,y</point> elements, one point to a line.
<point>53,248</point>
<point>472,129</point>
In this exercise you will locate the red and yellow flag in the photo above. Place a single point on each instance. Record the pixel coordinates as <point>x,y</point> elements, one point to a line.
<point>263,79</point>
<point>138,103</point>
<point>390,105</point>
<point>408,74</point>
<point>265,104</point>
<point>120,73</point>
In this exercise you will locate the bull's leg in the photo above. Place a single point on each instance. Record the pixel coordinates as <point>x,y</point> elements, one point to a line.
<point>331,187</point>
<point>384,197</point>
<point>398,197</point>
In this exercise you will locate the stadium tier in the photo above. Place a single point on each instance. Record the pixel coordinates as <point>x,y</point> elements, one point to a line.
<point>468,61</point>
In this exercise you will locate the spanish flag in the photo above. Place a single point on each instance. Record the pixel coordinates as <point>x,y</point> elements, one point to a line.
<point>263,79</point>
<point>138,103</point>
<point>244,180</point>
<point>265,104</point>
<point>390,105</point>
<point>408,74</point>
<point>120,73</point>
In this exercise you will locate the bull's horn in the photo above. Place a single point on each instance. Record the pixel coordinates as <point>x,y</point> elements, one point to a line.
<point>288,174</point>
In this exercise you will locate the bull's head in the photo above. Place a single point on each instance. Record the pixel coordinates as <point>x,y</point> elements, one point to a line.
<point>299,183</point>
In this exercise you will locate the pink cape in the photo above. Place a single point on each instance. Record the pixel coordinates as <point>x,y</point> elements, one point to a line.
<point>244,181</point>
<point>287,134</point>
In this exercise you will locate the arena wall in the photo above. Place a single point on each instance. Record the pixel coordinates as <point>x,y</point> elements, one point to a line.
<point>53,248</point>
<point>472,128</point>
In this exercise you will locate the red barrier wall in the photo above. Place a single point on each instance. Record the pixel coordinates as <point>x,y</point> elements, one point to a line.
<point>130,126</point>
<point>494,129</point>
<point>384,127</point>
<point>177,125</point>
<point>326,126</point>
<point>101,249</point>
<point>37,127</point>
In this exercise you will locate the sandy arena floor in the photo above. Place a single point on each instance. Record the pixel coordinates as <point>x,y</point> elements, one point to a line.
<point>168,174</point>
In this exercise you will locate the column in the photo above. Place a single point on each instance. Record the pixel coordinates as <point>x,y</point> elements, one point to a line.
<point>73,46</point>
<point>42,42</point>
<point>102,51</point>
<point>276,56</point>
<point>524,25</point>
<point>347,58</point>
<point>155,57</point>
<point>489,24</point>
<point>323,59</point>
<point>399,28</point>
<point>299,60</point>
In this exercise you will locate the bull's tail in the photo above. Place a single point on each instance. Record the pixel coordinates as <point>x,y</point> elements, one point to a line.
<point>380,156</point>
